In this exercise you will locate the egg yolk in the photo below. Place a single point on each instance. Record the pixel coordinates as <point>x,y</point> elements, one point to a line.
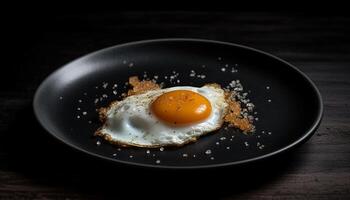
<point>181,107</point>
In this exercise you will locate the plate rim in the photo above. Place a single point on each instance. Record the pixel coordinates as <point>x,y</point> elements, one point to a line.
<point>300,140</point>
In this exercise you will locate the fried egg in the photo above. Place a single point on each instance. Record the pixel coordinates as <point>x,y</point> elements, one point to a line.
<point>164,117</point>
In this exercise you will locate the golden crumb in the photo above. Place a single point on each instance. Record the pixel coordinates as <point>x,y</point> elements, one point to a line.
<point>139,87</point>
<point>234,117</point>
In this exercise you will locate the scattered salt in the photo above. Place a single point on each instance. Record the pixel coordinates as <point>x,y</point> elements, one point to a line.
<point>84,113</point>
<point>161,149</point>
<point>157,161</point>
<point>185,155</point>
<point>208,152</point>
<point>98,143</point>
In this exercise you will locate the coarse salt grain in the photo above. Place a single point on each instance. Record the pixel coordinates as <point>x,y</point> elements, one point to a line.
<point>124,62</point>
<point>89,122</point>
<point>157,161</point>
<point>84,113</point>
<point>80,101</point>
<point>267,87</point>
<point>114,92</point>
<point>131,156</point>
<point>78,117</point>
<point>96,101</point>
<point>246,144</point>
<point>217,143</point>
<point>212,158</point>
<point>104,85</point>
<point>223,138</point>
<point>194,155</point>
<point>131,64</point>
<point>148,151</point>
<point>193,73</point>
<point>61,98</point>
<point>227,148</point>
<point>208,152</point>
<point>269,100</point>
<point>78,108</point>
<point>223,69</point>
<point>119,149</point>
<point>114,154</point>
<point>161,149</point>
<point>98,143</point>
<point>185,155</point>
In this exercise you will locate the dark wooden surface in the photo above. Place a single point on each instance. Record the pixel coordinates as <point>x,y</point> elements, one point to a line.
<point>35,166</point>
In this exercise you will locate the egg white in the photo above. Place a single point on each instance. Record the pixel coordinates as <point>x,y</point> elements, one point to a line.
<point>131,122</point>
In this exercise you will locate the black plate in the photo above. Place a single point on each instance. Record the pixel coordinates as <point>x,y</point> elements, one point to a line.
<point>291,117</point>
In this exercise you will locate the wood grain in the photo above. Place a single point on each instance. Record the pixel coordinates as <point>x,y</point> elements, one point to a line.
<point>35,166</point>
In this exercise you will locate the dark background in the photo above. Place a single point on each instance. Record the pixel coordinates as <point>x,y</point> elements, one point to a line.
<point>34,165</point>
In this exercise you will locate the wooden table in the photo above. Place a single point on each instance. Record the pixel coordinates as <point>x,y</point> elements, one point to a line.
<point>34,165</point>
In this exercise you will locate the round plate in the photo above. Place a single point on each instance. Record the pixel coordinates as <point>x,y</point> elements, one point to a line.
<point>288,105</point>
